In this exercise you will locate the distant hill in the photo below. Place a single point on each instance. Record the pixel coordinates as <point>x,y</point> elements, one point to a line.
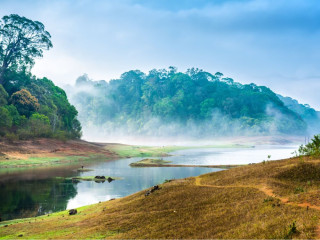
<point>196,103</point>
<point>308,114</point>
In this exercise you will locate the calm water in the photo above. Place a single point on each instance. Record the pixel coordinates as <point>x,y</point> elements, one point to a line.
<point>34,192</point>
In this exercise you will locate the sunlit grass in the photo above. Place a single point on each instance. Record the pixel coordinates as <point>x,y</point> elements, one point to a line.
<point>48,161</point>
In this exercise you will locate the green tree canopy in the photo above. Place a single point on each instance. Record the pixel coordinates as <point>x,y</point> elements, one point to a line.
<point>3,96</point>
<point>25,102</point>
<point>21,40</point>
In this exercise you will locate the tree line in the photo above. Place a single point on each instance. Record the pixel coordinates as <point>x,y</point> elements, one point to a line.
<point>213,103</point>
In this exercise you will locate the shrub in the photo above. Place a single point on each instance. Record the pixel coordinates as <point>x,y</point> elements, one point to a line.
<point>312,148</point>
<point>11,137</point>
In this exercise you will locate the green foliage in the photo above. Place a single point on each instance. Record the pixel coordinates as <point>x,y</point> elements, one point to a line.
<point>312,148</point>
<point>21,40</point>
<point>16,118</point>
<point>25,103</point>
<point>292,230</point>
<point>211,104</point>
<point>298,190</point>
<point>3,96</point>
<point>11,137</point>
<point>5,120</point>
<point>40,109</point>
<point>37,107</point>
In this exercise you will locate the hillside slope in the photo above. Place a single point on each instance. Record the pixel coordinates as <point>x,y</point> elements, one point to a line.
<point>170,103</point>
<point>277,199</point>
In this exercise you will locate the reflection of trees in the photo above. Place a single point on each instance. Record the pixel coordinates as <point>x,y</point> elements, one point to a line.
<point>29,198</point>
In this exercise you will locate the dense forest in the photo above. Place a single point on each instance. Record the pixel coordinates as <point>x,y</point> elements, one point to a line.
<point>30,107</point>
<point>166,102</point>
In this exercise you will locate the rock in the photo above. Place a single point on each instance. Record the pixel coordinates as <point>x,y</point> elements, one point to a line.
<point>147,193</point>
<point>100,177</point>
<point>21,235</point>
<point>154,188</point>
<point>110,179</point>
<point>73,211</point>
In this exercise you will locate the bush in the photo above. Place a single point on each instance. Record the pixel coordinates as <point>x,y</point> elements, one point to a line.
<point>312,148</point>
<point>61,135</point>
<point>5,121</point>
<point>11,137</point>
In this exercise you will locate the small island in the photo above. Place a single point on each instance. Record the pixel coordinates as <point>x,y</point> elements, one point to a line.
<point>163,163</point>
<point>94,178</point>
<point>149,162</point>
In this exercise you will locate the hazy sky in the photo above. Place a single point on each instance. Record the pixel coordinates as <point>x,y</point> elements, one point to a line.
<point>275,43</point>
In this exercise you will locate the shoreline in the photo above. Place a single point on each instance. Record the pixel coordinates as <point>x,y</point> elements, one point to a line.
<point>209,198</point>
<point>181,165</point>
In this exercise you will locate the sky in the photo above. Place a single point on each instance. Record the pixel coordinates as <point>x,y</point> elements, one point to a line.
<point>275,43</point>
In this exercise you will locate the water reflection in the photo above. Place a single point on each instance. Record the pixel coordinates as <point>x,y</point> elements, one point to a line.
<point>37,191</point>
<point>26,198</point>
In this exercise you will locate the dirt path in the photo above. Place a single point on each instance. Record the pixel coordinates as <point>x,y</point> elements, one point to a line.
<point>268,191</point>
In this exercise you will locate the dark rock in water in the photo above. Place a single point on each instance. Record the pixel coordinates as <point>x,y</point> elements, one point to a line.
<point>100,177</point>
<point>73,211</point>
<point>110,179</point>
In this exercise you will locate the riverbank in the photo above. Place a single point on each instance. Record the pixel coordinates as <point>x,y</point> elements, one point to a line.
<point>162,163</point>
<point>50,152</point>
<point>276,199</point>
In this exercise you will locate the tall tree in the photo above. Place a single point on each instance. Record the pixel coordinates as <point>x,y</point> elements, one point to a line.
<point>21,40</point>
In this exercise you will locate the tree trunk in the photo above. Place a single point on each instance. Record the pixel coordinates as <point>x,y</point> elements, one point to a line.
<point>2,72</point>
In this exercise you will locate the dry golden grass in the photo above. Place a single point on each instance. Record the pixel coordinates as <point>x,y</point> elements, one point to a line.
<point>246,202</point>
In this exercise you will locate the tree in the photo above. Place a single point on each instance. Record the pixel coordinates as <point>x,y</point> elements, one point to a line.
<point>25,102</point>
<point>5,120</point>
<point>21,40</point>
<point>3,96</point>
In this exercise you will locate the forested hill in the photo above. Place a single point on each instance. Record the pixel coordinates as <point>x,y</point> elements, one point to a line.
<point>308,114</point>
<point>32,107</point>
<point>167,102</point>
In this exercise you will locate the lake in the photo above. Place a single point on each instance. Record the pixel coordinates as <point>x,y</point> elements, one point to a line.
<point>34,192</point>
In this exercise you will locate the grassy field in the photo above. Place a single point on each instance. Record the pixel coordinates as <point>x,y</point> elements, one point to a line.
<point>157,151</point>
<point>141,151</point>
<point>276,199</point>
<point>48,161</point>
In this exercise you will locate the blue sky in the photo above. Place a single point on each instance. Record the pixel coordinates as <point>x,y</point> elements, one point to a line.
<point>275,43</point>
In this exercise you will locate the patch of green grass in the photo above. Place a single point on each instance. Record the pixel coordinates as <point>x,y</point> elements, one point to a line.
<point>149,161</point>
<point>142,151</point>
<point>159,151</point>
<point>49,161</point>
